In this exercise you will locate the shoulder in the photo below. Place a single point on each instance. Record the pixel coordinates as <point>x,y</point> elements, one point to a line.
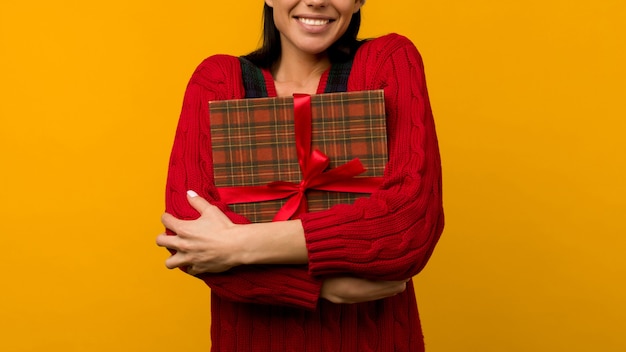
<point>381,61</point>
<point>389,41</point>
<point>218,72</point>
<point>380,49</point>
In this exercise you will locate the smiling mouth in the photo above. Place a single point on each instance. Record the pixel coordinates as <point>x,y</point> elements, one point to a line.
<point>314,21</point>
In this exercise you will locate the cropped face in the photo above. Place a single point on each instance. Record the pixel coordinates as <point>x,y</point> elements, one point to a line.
<point>311,26</point>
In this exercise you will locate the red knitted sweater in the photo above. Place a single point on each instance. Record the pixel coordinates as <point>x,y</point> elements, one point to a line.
<point>388,236</point>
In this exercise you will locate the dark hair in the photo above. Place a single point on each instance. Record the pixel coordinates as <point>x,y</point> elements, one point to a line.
<point>342,50</point>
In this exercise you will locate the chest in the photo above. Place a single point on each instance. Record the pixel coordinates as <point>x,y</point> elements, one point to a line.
<point>285,89</point>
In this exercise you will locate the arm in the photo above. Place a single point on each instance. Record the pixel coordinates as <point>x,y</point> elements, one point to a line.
<point>391,235</point>
<point>191,168</point>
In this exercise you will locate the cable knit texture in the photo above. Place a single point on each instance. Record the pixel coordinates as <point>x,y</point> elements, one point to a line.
<point>388,236</point>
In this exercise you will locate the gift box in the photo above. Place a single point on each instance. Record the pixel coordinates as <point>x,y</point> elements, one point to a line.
<point>274,158</point>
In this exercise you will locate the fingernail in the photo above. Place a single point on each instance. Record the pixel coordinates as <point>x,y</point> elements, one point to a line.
<point>192,194</point>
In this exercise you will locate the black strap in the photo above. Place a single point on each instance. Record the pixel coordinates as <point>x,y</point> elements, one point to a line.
<point>338,77</point>
<point>254,81</point>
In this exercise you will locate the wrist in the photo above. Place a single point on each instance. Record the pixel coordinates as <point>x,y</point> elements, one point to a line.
<point>244,247</point>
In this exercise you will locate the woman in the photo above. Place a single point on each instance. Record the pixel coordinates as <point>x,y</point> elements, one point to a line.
<point>333,280</point>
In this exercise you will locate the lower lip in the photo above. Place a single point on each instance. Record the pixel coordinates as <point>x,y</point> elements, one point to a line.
<point>313,29</point>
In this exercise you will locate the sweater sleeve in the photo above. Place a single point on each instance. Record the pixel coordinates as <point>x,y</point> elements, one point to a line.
<point>391,234</point>
<point>191,168</point>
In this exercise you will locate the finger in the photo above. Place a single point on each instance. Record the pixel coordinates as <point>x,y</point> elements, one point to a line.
<point>170,221</point>
<point>170,242</point>
<point>176,261</point>
<point>197,202</point>
<point>206,209</point>
<point>189,269</point>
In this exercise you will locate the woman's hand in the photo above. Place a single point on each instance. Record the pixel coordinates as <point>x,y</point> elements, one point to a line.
<point>206,244</point>
<point>354,290</point>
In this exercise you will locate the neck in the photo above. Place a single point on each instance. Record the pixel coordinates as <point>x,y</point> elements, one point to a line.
<point>299,69</point>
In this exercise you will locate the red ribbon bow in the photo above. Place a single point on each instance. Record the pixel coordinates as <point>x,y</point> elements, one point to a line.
<point>312,166</point>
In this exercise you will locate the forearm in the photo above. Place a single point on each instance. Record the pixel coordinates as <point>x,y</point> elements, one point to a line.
<point>280,242</point>
<point>278,285</point>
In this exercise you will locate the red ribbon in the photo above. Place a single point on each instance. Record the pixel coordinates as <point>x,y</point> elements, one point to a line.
<point>312,166</point>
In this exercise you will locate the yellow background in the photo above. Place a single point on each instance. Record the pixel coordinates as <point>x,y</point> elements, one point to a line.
<point>529,98</point>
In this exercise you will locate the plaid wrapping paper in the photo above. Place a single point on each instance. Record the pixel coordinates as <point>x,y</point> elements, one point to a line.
<point>254,143</point>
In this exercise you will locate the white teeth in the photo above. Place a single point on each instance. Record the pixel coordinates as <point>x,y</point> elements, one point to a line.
<point>313,21</point>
